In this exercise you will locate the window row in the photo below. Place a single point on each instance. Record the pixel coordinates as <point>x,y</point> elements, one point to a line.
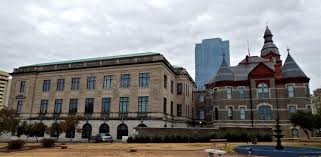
<point>263,113</point>
<point>179,108</point>
<point>125,80</point>
<point>263,91</point>
<point>143,105</point>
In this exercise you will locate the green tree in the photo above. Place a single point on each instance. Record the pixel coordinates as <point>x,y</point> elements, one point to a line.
<point>21,130</point>
<point>8,120</point>
<point>69,125</point>
<point>306,120</point>
<point>35,130</point>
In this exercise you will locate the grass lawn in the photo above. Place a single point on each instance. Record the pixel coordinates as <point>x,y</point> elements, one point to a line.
<point>143,150</point>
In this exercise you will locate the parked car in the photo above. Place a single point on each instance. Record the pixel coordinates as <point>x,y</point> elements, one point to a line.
<point>103,137</point>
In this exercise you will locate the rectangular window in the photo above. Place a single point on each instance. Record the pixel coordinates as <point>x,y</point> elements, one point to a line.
<point>201,115</point>
<point>164,105</point>
<point>60,84</point>
<point>230,113</point>
<point>91,82</point>
<point>242,113</point>
<point>89,105</point>
<point>143,104</point>
<point>46,85</point>
<point>290,91</point>
<point>185,110</point>
<point>124,104</point>
<point>75,83</point>
<point>165,81</point>
<point>143,80</point>
<point>106,102</point>
<point>179,110</point>
<point>58,106</point>
<point>307,90</point>
<point>263,91</point>
<point>172,107</point>
<point>22,86</point>
<point>179,87</point>
<point>200,98</point>
<point>125,81</point>
<point>107,82</point>
<point>229,92</point>
<point>73,105</point>
<point>292,109</point>
<point>172,86</point>
<point>241,92</point>
<point>19,106</point>
<point>43,106</point>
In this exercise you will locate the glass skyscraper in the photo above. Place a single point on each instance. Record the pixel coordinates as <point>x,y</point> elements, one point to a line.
<point>208,58</point>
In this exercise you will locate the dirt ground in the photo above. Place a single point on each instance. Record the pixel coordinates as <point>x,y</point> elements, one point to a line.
<point>143,150</point>
<point>122,150</point>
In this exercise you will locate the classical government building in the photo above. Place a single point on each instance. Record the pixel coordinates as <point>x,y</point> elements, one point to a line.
<point>253,92</point>
<point>112,94</point>
<point>4,88</point>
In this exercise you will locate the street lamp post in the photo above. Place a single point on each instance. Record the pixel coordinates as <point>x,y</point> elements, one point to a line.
<point>278,130</point>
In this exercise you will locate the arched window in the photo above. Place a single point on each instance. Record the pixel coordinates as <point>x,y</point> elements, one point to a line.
<point>104,128</point>
<point>263,91</point>
<point>122,130</point>
<point>86,130</point>
<point>142,125</point>
<point>265,113</point>
<point>54,130</point>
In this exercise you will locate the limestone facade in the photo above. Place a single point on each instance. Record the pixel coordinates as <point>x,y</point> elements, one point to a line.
<point>130,78</point>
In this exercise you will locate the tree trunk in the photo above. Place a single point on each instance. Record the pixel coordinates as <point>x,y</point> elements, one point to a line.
<point>307,133</point>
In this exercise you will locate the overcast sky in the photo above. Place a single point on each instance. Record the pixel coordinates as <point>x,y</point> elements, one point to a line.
<point>45,31</point>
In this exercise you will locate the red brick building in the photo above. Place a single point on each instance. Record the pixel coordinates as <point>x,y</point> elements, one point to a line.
<point>251,93</point>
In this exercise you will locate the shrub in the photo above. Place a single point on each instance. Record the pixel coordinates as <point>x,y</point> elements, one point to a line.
<point>156,139</point>
<point>16,144</point>
<point>48,143</point>
<point>173,139</point>
<point>185,139</point>
<point>167,139</point>
<point>130,140</point>
<point>203,138</point>
<point>192,139</point>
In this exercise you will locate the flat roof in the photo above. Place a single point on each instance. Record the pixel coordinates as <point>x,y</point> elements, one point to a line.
<point>96,59</point>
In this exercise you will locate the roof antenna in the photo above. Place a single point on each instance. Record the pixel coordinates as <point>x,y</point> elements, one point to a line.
<point>287,49</point>
<point>248,48</point>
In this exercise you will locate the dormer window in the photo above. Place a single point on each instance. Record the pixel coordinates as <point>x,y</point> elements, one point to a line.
<point>263,91</point>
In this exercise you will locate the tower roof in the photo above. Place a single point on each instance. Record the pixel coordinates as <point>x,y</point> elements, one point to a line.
<point>224,73</point>
<point>269,46</point>
<point>291,69</point>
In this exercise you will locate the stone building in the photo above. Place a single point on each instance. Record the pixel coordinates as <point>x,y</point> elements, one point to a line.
<point>5,82</point>
<point>316,100</point>
<point>112,94</point>
<point>253,92</point>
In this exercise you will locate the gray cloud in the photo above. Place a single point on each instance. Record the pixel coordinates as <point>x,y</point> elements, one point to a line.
<point>45,31</point>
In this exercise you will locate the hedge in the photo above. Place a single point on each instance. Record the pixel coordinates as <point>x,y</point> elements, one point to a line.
<point>230,136</point>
